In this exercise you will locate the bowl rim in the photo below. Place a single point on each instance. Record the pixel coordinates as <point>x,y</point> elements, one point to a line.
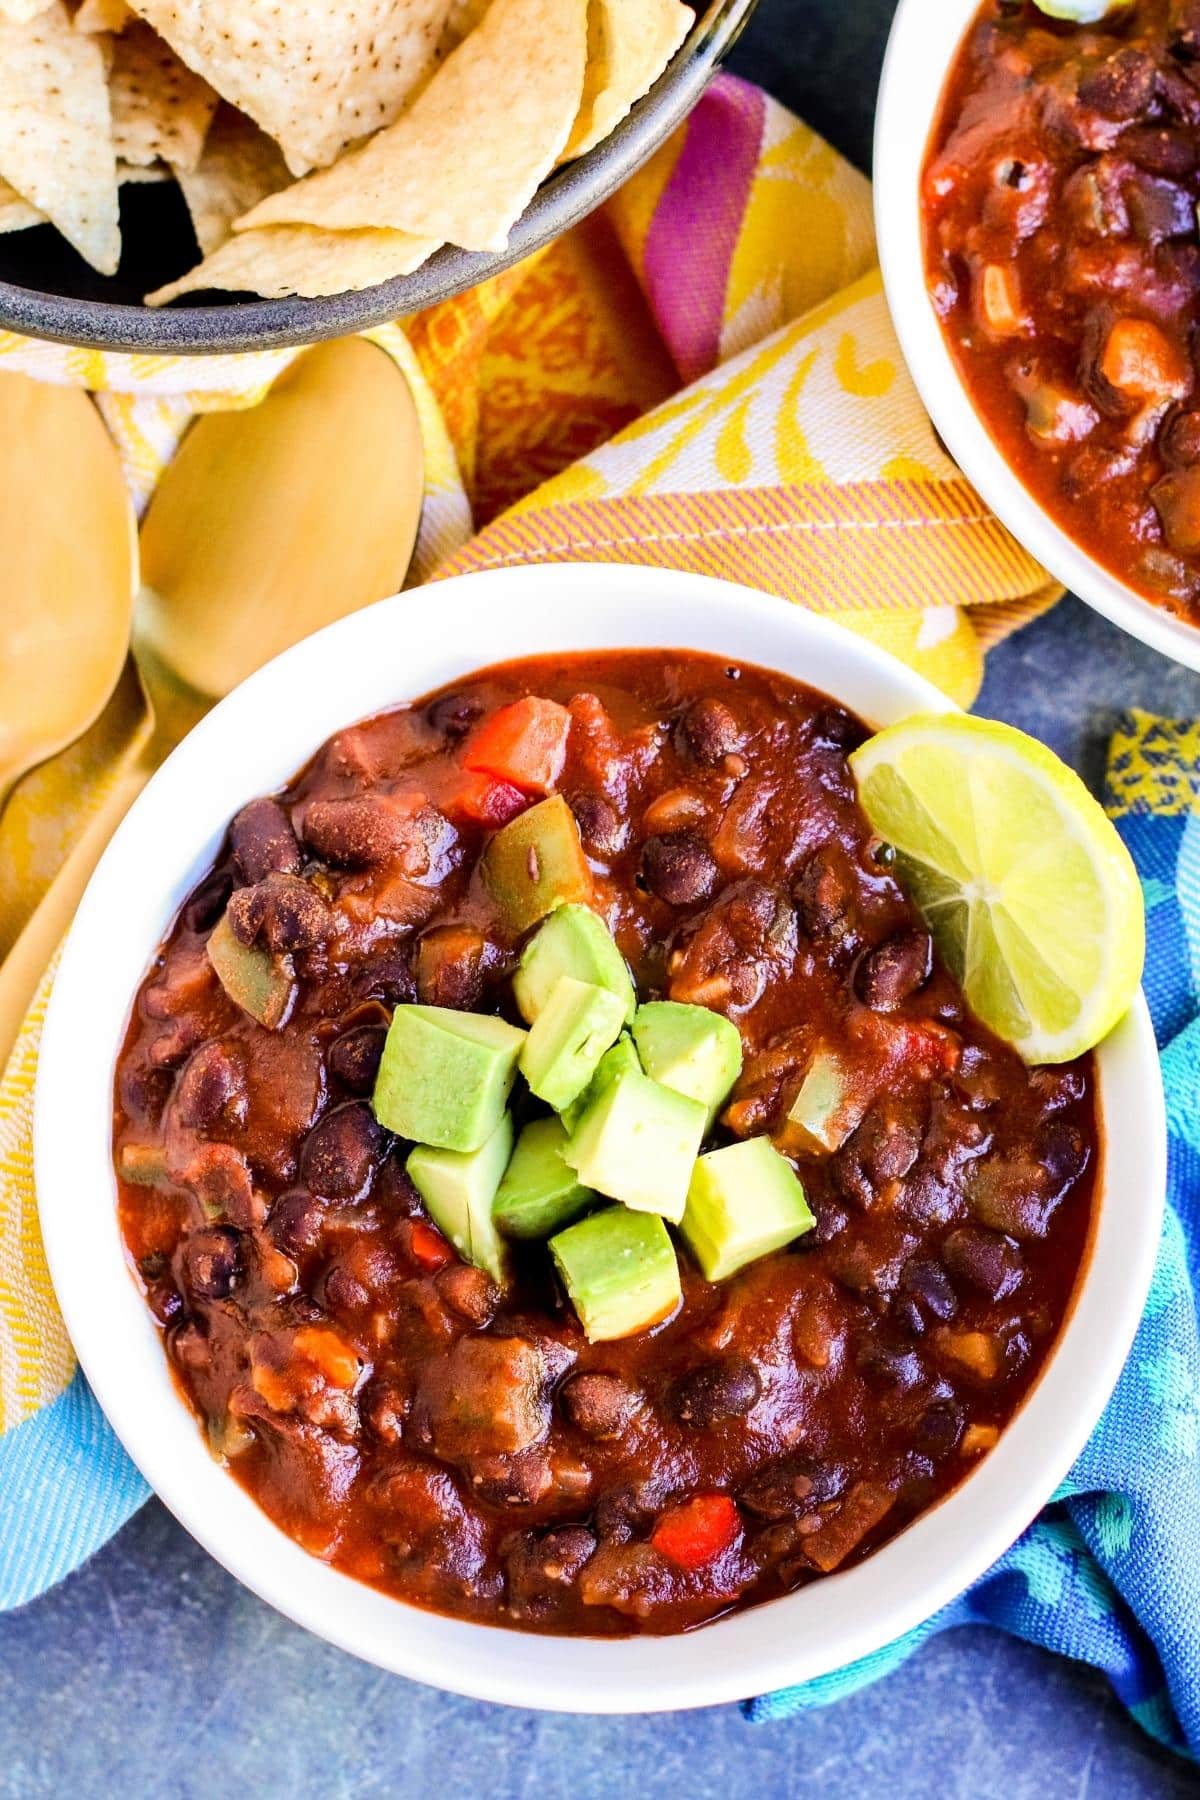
<point>249,744</point>
<point>917,63</point>
<point>563,200</point>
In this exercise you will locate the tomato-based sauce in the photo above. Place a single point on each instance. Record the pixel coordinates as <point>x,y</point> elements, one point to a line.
<point>462,1445</point>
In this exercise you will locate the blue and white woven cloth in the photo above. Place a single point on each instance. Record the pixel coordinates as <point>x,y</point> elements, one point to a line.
<point>1110,1573</point>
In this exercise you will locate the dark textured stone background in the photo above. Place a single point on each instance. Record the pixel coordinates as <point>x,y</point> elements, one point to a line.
<point>153,1673</point>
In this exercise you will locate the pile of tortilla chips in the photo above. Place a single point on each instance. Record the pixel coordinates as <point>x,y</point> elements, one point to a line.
<point>321,146</point>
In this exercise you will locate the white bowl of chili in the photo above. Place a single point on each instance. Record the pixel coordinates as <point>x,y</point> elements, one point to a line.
<point>250,745</point>
<point>1089,538</point>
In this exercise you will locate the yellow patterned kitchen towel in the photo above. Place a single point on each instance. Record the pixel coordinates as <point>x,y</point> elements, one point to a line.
<point>702,376</point>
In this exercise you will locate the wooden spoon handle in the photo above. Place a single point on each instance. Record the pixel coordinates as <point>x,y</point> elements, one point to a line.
<point>26,962</point>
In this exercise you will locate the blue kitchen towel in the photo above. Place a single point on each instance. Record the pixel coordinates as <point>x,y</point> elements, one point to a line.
<point>1110,1573</point>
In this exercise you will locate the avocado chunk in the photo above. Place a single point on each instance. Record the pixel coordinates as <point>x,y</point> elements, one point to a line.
<point>688,1048</point>
<point>572,941</point>
<point>445,1076</point>
<point>637,1142</point>
<point>539,1193</point>
<point>535,863</point>
<point>826,1108</point>
<point>620,1060</point>
<point>459,1190</point>
<point>620,1270</point>
<point>567,1039</point>
<point>261,984</point>
<point>744,1202</point>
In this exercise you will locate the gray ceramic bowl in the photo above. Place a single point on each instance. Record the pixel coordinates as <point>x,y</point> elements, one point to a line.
<point>47,291</point>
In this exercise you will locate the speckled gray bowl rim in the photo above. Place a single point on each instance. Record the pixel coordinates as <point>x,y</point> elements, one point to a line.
<point>563,200</point>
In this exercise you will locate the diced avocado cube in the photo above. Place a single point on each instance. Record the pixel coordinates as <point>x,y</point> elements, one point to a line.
<point>539,1193</point>
<point>690,1049</point>
<point>744,1202</point>
<point>620,1270</point>
<point>622,1059</point>
<point>536,862</point>
<point>261,984</point>
<point>826,1108</point>
<point>637,1142</point>
<point>572,941</point>
<point>567,1039</point>
<point>445,1076</point>
<point>459,1189</point>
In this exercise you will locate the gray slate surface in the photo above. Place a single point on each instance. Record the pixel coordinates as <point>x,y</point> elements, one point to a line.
<point>152,1673</point>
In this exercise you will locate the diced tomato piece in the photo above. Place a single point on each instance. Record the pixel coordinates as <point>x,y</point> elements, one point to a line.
<point>695,1532</point>
<point>482,800</point>
<point>930,1044</point>
<point>525,743</point>
<point>428,1248</point>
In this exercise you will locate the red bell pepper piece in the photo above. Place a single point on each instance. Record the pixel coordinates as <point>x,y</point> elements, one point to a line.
<point>525,743</point>
<point>482,800</point>
<point>697,1531</point>
<point>428,1248</point>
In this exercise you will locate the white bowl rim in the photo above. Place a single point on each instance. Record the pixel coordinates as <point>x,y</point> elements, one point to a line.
<point>253,742</point>
<point>921,49</point>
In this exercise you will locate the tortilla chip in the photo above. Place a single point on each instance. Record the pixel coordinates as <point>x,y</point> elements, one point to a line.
<point>460,22</point>
<point>314,74</point>
<point>56,144</point>
<point>240,166</point>
<point>16,214</point>
<point>102,15</point>
<point>630,43</point>
<point>466,159</point>
<point>295,259</point>
<point>19,12</point>
<point>160,110</point>
<point>138,174</point>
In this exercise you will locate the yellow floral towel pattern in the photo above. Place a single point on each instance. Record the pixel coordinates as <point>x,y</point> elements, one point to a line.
<point>703,376</point>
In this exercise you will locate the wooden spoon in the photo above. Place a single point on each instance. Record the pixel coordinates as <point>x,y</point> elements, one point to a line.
<point>68,571</point>
<point>268,524</point>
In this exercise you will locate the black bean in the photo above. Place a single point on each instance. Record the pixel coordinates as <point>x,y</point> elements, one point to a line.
<point>212,1262</point>
<point>791,1484</point>
<point>296,1222</point>
<point>341,1152</point>
<point>212,1088</point>
<point>539,1567</point>
<point>825,892</point>
<point>890,975</point>
<point>710,732</point>
<point>342,1292</point>
<point>454,714</point>
<point>1121,87</point>
<point>834,729</point>
<point>152,1267</point>
<point>1160,150</point>
<point>354,1059</point>
<point>469,1292</point>
<point>678,868</point>
<point>263,842</point>
<point>715,1391</point>
<point>893,1365</point>
<point>165,1302</point>
<point>450,967</point>
<point>395,1192</point>
<point>1063,1152</point>
<point>984,1260</point>
<point>145,1092</point>
<point>363,832</point>
<point>939,1428</point>
<point>1185,29</point>
<point>599,822</point>
<point>928,1284</point>
<point>385,1408</point>
<point>627,1508</point>
<point>598,1405</point>
<point>519,1480</point>
<point>1056,1089</point>
<point>286,913</point>
<point>208,902</point>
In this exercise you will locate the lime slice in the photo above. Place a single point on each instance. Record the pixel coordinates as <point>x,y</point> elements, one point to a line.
<point>1031,896</point>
